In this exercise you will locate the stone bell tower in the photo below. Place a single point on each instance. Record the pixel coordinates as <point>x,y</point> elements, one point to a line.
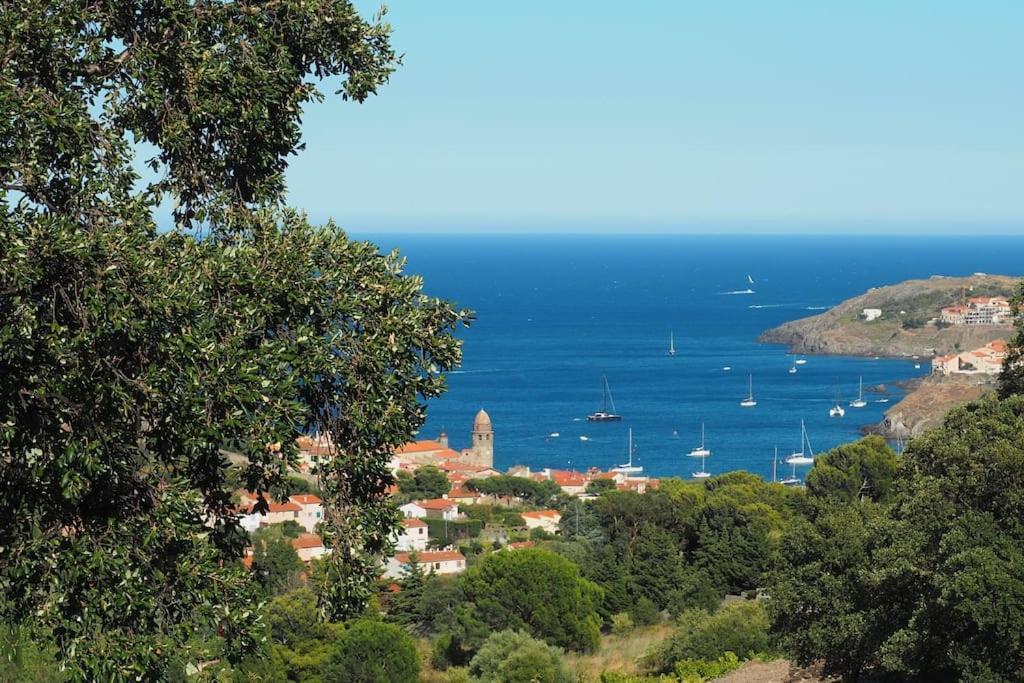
<point>482,452</point>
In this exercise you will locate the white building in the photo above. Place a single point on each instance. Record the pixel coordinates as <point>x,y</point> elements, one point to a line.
<point>443,562</point>
<point>309,547</point>
<point>870,314</point>
<point>547,520</point>
<point>412,535</point>
<point>311,510</point>
<point>438,508</point>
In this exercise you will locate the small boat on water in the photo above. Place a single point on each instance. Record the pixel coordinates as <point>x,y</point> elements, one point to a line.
<point>749,401</point>
<point>791,480</point>
<point>607,412</point>
<point>802,457</point>
<point>800,361</point>
<point>629,467</point>
<point>859,402</point>
<point>700,451</point>
<point>702,473</point>
<point>792,370</point>
<point>671,344</point>
<point>584,438</point>
<point>837,410</point>
<point>554,435</point>
<point>726,368</point>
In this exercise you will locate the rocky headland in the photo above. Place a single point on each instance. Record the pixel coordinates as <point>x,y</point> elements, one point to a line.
<point>907,327</point>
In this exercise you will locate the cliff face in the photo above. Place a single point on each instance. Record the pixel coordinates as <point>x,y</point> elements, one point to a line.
<point>926,405</point>
<point>903,329</point>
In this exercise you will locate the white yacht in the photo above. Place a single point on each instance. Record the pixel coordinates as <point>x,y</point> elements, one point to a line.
<point>859,402</point>
<point>629,467</point>
<point>749,401</point>
<point>802,457</point>
<point>837,410</point>
<point>700,451</point>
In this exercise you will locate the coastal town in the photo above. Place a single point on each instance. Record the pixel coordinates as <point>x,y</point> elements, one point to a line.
<point>430,527</point>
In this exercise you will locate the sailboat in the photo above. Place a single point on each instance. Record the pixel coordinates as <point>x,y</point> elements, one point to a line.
<point>749,401</point>
<point>702,473</point>
<point>791,480</point>
<point>605,415</point>
<point>792,368</point>
<point>859,402</point>
<point>802,457</point>
<point>800,361</point>
<point>837,410</point>
<point>700,451</point>
<point>671,344</point>
<point>629,467</point>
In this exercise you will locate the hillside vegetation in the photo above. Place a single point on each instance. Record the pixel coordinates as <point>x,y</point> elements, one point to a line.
<point>904,328</point>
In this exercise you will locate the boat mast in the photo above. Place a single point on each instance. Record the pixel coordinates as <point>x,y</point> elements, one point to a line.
<point>630,464</point>
<point>608,395</point>
<point>775,464</point>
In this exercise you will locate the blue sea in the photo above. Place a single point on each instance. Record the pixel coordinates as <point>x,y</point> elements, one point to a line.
<point>557,313</point>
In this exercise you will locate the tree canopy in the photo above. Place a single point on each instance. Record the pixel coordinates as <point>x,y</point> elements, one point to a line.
<point>129,356</point>
<point>928,586</point>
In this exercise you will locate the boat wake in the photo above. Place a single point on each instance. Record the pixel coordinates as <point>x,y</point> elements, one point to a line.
<point>817,308</point>
<point>739,291</point>
<point>770,305</point>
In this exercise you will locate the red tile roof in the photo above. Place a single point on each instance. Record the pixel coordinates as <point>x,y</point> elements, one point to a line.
<point>305,499</point>
<point>541,514</point>
<point>432,556</point>
<point>461,493</point>
<point>413,522</point>
<point>436,504</point>
<point>520,545</point>
<point>564,478</point>
<point>305,541</point>
<point>427,446</point>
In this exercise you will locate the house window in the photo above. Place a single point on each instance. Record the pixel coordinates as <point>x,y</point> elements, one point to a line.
<point>295,515</point>
<point>318,515</point>
<point>437,565</point>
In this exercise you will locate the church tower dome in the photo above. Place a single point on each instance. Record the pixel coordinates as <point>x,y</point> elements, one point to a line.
<point>482,452</point>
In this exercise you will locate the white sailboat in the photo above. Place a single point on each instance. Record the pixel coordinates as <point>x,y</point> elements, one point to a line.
<point>629,467</point>
<point>802,457</point>
<point>836,410</point>
<point>700,451</point>
<point>605,415</point>
<point>702,473</point>
<point>792,368</point>
<point>749,401</point>
<point>671,344</point>
<point>800,361</point>
<point>859,402</point>
<point>791,480</point>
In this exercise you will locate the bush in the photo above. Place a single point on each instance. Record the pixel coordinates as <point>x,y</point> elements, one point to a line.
<point>444,533</point>
<point>373,652</point>
<point>738,627</point>
<point>515,657</point>
<point>645,613</point>
<point>622,623</point>
<point>700,670</point>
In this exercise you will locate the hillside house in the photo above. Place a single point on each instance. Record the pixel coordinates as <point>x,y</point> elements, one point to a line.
<point>442,562</point>
<point>412,535</point>
<point>309,547</point>
<point>547,520</point>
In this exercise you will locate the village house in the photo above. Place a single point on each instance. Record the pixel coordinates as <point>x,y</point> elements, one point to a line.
<point>547,520</point>
<point>309,547</point>
<point>571,483</point>
<point>870,314</point>
<point>441,562</point>
<point>251,519</point>
<point>311,510</point>
<point>437,508</point>
<point>412,535</point>
<point>463,496</point>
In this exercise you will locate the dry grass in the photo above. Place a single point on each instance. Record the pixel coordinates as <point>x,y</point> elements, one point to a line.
<point>618,652</point>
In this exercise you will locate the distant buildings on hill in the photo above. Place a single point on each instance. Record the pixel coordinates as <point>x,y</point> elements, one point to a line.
<point>987,360</point>
<point>978,310</point>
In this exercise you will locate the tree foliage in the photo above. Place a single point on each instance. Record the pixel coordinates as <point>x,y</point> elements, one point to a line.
<point>425,483</point>
<point>130,356</point>
<point>1011,379</point>
<point>739,627</point>
<point>275,564</point>
<point>928,587</point>
<point>373,652</point>
<point>515,657</point>
<point>538,591</point>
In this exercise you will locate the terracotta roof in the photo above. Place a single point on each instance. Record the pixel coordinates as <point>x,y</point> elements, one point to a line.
<point>307,541</point>
<point>564,478</point>
<point>249,505</point>
<point>413,522</point>
<point>998,345</point>
<point>603,475</point>
<point>542,514</point>
<point>460,493</point>
<point>437,504</point>
<point>305,499</point>
<point>247,561</point>
<point>431,556</point>
<point>520,545</point>
<point>421,447</point>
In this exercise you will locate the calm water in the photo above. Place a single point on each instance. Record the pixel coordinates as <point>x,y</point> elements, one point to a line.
<point>555,313</point>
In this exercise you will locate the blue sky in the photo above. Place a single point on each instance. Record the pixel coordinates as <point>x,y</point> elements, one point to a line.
<point>681,117</point>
